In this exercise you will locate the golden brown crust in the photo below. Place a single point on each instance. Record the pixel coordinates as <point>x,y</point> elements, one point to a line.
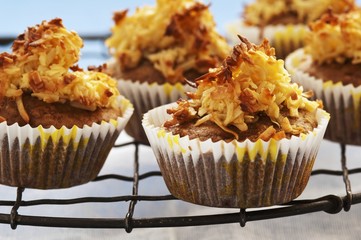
<point>119,16</point>
<point>30,38</point>
<point>182,25</point>
<point>6,59</point>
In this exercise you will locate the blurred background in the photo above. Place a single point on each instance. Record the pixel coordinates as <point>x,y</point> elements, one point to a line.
<point>94,17</point>
<point>89,17</point>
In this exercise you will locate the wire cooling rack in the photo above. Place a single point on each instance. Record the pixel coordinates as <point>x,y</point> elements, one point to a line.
<point>329,203</point>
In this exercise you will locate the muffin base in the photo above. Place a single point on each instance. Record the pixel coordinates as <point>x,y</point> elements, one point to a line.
<point>51,158</point>
<point>58,165</point>
<point>233,174</point>
<point>235,184</point>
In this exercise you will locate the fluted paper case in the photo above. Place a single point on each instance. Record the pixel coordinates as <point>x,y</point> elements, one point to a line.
<point>234,174</point>
<point>49,158</point>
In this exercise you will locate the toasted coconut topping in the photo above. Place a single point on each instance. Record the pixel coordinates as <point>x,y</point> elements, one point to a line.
<point>40,64</point>
<point>335,38</point>
<point>250,82</point>
<point>262,12</point>
<point>175,36</point>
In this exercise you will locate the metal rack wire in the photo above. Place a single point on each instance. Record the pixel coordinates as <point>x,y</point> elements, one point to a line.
<point>329,203</point>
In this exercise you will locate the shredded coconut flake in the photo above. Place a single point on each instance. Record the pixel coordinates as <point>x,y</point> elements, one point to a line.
<point>335,38</point>
<point>251,81</point>
<point>174,35</point>
<point>40,64</point>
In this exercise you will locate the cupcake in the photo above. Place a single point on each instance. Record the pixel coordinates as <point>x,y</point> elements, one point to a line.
<point>247,137</point>
<point>157,49</point>
<point>330,65</point>
<point>283,22</point>
<point>57,122</point>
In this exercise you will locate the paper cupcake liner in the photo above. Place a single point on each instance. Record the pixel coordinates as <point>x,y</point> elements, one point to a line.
<point>235,174</point>
<point>284,38</point>
<point>49,158</point>
<point>341,101</point>
<point>144,97</point>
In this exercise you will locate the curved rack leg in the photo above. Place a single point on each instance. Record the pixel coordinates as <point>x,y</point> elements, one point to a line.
<point>14,209</point>
<point>243,217</point>
<point>129,215</point>
<point>348,201</point>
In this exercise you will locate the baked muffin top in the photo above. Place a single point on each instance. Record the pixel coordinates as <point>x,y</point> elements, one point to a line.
<point>42,64</point>
<point>263,12</point>
<point>175,36</point>
<point>250,84</point>
<point>335,38</point>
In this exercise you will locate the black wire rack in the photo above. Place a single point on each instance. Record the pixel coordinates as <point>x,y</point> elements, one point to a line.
<point>331,204</point>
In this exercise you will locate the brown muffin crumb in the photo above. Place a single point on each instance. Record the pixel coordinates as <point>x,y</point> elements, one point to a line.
<point>54,114</point>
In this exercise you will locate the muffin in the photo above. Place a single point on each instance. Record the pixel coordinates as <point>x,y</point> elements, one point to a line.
<point>283,22</point>
<point>247,137</point>
<point>330,65</point>
<point>57,122</point>
<point>157,49</point>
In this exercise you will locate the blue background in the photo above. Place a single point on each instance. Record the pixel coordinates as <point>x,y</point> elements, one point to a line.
<point>88,16</point>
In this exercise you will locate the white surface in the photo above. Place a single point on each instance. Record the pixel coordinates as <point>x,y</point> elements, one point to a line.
<point>88,16</point>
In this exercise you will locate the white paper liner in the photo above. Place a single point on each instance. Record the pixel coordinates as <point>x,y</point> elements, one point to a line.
<point>144,97</point>
<point>341,101</point>
<point>235,174</point>
<point>284,38</point>
<point>48,158</point>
